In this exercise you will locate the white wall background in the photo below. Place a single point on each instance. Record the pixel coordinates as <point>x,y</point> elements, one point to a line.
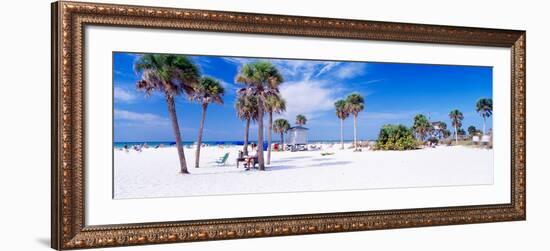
<point>25,124</point>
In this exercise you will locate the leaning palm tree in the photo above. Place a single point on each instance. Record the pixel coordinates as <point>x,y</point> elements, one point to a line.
<point>273,104</point>
<point>342,113</point>
<point>355,103</point>
<point>484,107</point>
<point>281,126</point>
<point>207,90</point>
<point>301,120</point>
<point>261,79</point>
<point>247,109</point>
<point>171,75</point>
<point>456,120</point>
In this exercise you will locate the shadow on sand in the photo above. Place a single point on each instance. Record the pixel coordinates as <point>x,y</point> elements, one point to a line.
<point>290,158</point>
<point>322,159</point>
<point>288,167</point>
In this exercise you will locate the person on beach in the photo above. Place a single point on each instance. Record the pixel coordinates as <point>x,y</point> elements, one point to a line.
<point>251,160</point>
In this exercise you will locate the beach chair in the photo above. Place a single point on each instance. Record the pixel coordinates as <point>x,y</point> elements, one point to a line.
<point>223,160</point>
<point>254,162</point>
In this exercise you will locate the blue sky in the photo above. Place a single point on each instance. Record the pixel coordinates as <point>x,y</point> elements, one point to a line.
<point>394,93</point>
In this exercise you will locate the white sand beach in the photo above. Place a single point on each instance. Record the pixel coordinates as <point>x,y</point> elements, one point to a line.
<point>154,172</point>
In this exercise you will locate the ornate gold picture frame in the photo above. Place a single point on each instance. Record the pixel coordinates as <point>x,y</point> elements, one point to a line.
<point>69,230</point>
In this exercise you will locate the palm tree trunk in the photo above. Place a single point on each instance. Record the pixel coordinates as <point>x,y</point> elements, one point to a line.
<point>246,130</point>
<point>484,121</point>
<point>261,163</point>
<point>269,138</point>
<point>199,138</point>
<point>282,142</point>
<point>355,131</point>
<point>176,128</point>
<point>456,135</point>
<point>342,132</point>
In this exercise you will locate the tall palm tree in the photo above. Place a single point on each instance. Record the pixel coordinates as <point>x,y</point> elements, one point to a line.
<point>421,126</point>
<point>207,90</point>
<point>301,120</point>
<point>171,75</point>
<point>355,103</point>
<point>281,126</point>
<point>484,107</point>
<point>273,104</point>
<point>456,120</point>
<point>261,79</point>
<point>247,109</point>
<point>342,113</point>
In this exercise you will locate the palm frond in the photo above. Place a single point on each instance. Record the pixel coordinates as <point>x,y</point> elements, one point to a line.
<point>171,74</point>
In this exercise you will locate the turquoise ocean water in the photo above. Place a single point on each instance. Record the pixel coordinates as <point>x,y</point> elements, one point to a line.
<point>188,143</point>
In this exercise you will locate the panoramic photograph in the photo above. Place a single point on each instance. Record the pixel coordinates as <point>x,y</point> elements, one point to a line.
<point>192,125</point>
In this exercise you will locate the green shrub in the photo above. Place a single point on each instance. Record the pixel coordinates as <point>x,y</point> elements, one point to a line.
<point>395,137</point>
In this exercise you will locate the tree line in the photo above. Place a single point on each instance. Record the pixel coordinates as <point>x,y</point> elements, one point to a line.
<point>399,137</point>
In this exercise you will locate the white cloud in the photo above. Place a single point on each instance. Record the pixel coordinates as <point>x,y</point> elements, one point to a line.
<point>311,87</point>
<point>135,118</point>
<point>307,69</point>
<point>373,81</point>
<point>298,69</point>
<point>350,70</point>
<point>387,115</point>
<point>237,61</point>
<point>292,70</point>
<point>123,95</point>
<point>306,97</point>
<point>229,87</point>
<point>327,67</point>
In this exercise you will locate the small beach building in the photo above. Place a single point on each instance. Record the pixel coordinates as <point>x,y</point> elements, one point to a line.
<point>296,135</point>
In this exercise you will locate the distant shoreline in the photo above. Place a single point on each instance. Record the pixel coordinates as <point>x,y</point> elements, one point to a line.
<point>219,142</point>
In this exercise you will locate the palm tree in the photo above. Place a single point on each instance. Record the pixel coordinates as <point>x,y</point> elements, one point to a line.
<point>445,133</point>
<point>247,109</point>
<point>421,126</point>
<point>484,107</point>
<point>301,120</point>
<point>171,75</point>
<point>472,130</point>
<point>355,103</point>
<point>273,104</point>
<point>456,120</point>
<point>207,90</point>
<point>261,79</point>
<point>439,128</point>
<point>281,126</point>
<point>342,113</point>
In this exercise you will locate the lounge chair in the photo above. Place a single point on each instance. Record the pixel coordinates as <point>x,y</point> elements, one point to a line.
<point>223,160</point>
